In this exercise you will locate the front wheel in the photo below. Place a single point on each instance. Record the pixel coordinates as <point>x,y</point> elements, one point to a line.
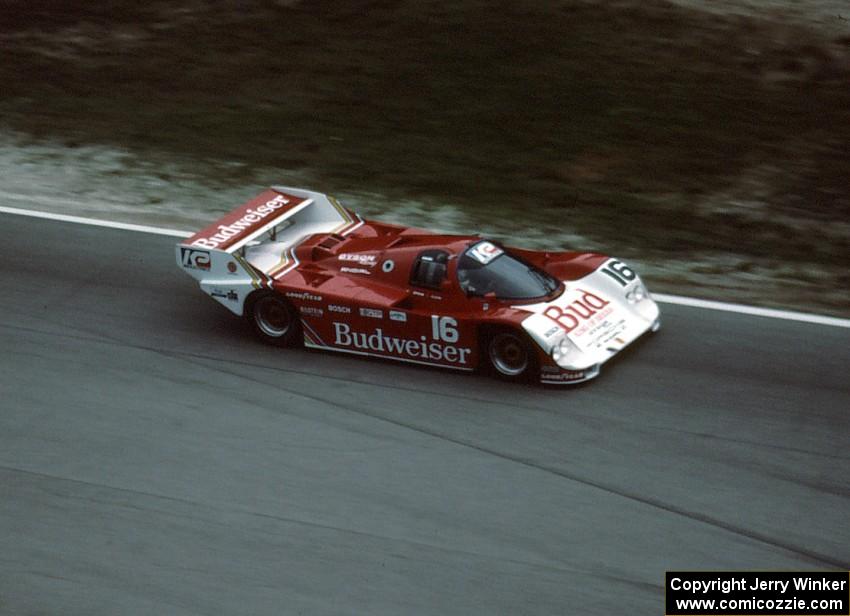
<point>275,320</point>
<point>510,355</point>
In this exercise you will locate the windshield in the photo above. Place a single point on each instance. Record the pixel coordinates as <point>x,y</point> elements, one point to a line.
<point>485,268</point>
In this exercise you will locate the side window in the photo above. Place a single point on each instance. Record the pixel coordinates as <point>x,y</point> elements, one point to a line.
<point>429,269</point>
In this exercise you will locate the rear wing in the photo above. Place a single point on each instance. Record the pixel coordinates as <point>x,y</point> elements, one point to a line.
<point>311,211</point>
<point>237,253</point>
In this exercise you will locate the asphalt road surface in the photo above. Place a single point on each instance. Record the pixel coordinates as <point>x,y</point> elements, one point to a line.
<point>155,459</point>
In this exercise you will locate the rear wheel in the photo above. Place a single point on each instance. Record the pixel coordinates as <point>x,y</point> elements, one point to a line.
<point>275,320</point>
<point>510,355</point>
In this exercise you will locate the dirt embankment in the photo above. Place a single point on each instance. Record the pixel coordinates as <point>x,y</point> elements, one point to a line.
<point>711,146</point>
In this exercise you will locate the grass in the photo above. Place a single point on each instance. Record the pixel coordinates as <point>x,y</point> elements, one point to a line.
<point>649,127</point>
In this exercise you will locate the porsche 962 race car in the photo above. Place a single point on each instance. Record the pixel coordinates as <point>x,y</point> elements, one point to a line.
<point>306,271</point>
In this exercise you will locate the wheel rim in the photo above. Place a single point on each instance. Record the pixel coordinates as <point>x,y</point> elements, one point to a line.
<point>508,354</point>
<point>272,317</point>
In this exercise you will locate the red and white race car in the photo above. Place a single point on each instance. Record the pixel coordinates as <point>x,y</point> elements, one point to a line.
<point>305,270</point>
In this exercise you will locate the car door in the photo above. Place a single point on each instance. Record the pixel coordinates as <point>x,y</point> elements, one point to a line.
<point>437,315</point>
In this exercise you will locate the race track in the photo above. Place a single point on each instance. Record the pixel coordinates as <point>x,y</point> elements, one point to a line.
<point>155,459</point>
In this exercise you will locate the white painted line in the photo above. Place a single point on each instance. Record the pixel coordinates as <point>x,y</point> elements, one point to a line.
<point>661,297</point>
<point>752,310</point>
<point>95,222</point>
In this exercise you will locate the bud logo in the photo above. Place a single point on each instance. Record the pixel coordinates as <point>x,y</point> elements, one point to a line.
<point>195,259</point>
<point>406,348</point>
<point>582,309</point>
<point>251,217</point>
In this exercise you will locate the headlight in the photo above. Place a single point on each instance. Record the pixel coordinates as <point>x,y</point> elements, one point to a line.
<point>638,294</point>
<point>561,349</point>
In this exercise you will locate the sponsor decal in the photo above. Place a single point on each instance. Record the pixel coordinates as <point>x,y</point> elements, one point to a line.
<point>609,332</point>
<point>355,270</point>
<point>195,259</point>
<point>312,311</point>
<point>407,348</point>
<point>361,258</point>
<point>580,314</point>
<point>229,295</point>
<point>371,313</point>
<point>339,309</point>
<point>484,252</point>
<point>398,315</point>
<point>563,376</point>
<point>304,296</point>
<point>552,331</point>
<point>251,217</point>
<point>603,327</point>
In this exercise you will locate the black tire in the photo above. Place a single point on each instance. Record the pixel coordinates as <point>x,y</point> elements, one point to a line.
<point>510,355</point>
<point>275,321</point>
